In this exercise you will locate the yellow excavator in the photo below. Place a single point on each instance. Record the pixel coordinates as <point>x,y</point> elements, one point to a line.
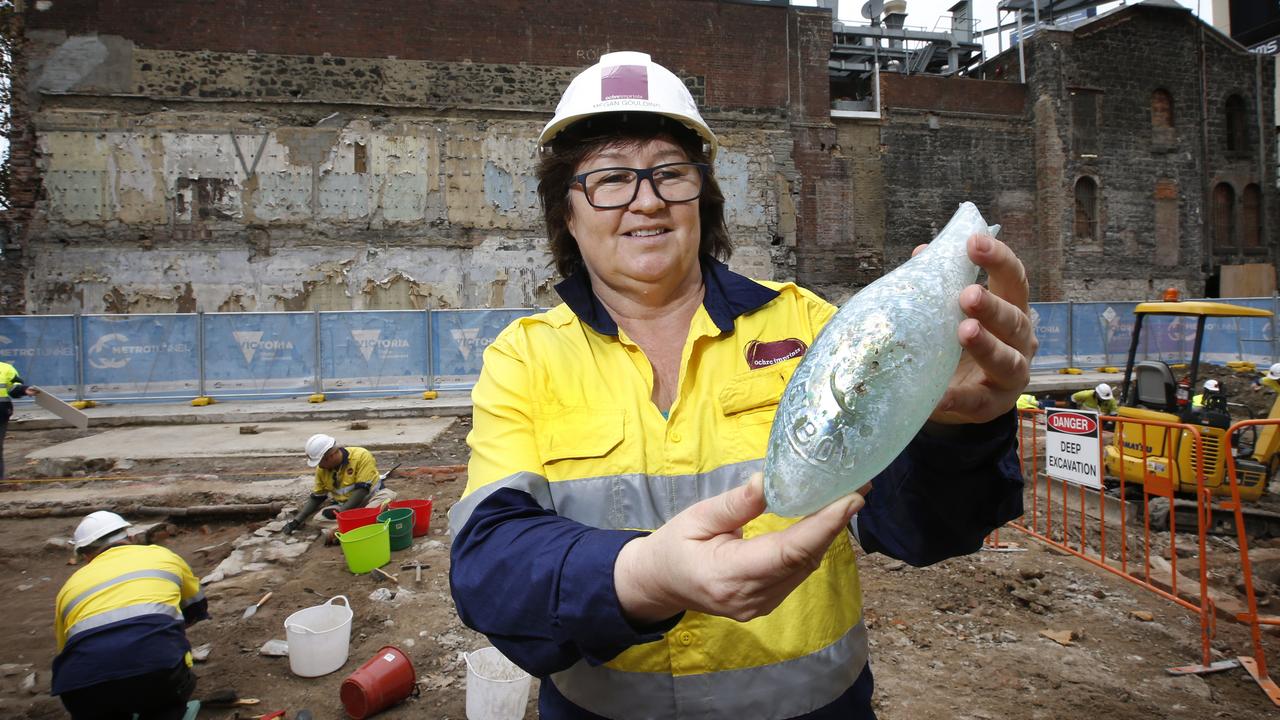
<point>1151,392</point>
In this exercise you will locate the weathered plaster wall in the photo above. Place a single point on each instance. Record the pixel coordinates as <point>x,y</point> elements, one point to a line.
<point>354,214</point>
<point>252,163</point>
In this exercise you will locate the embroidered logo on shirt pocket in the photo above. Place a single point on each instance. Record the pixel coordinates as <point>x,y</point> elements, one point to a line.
<point>752,397</point>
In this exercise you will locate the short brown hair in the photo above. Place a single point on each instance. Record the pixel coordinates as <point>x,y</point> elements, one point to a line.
<point>560,162</point>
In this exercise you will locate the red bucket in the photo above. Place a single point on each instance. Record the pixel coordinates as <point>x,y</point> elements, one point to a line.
<point>421,514</point>
<point>349,520</point>
<point>380,683</point>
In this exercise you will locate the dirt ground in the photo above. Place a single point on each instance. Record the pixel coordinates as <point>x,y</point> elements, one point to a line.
<point>962,639</point>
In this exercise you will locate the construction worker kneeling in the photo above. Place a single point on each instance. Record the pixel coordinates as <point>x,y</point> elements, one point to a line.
<point>346,478</point>
<point>121,627</point>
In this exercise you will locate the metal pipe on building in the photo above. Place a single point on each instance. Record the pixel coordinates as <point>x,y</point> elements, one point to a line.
<point>1262,150</point>
<point>1022,61</point>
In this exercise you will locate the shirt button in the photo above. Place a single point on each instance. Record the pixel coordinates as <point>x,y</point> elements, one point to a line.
<point>686,637</point>
<point>675,436</point>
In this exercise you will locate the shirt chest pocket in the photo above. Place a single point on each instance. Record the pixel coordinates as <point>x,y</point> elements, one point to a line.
<point>581,441</point>
<point>751,398</point>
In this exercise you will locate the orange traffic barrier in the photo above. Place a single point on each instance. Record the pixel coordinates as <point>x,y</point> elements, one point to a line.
<point>1074,520</point>
<point>1257,664</point>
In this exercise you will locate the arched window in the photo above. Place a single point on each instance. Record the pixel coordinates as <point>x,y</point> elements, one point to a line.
<point>1161,109</point>
<point>1086,223</point>
<point>1251,216</point>
<point>1224,229</point>
<point>1237,124</point>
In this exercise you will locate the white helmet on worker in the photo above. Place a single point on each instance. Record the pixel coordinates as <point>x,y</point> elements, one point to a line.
<point>1273,372</point>
<point>1104,391</point>
<point>1211,385</point>
<point>317,446</point>
<point>625,82</point>
<point>103,525</point>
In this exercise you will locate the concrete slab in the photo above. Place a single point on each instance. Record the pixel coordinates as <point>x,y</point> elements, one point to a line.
<point>275,439</point>
<point>28,416</point>
<point>1043,382</point>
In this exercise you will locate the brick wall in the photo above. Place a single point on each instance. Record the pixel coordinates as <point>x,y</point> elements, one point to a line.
<point>24,180</point>
<point>741,49</point>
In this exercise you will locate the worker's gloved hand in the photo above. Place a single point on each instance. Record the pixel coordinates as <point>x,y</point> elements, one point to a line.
<point>290,527</point>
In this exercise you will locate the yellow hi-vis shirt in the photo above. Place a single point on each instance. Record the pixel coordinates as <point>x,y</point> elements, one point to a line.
<point>121,615</point>
<point>586,440</point>
<point>8,378</point>
<point>1089,400</point>
<point>339,483</point>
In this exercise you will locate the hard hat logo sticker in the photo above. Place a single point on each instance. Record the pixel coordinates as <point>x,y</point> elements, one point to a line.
<point>624,82</point>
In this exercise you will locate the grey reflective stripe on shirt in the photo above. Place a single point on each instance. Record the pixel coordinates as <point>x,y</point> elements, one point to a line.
<point>124,613</point>
<point>135,575</point>
<point>631,501</point>
<point>770,692</point>
<point>199,596</point>
<point>527,482</point>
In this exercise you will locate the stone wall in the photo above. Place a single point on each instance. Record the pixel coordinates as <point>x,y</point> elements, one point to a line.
<point>944,142</point>
<point>1153,182</point>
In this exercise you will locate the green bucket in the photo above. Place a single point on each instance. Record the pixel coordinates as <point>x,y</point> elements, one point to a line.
<point>400,520</point>
<point>366,547</point>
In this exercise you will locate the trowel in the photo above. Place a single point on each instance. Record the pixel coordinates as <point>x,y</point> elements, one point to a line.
<point>253,609</point>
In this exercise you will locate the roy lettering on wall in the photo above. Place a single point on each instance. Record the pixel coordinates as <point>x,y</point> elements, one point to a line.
<point>1071,447</point>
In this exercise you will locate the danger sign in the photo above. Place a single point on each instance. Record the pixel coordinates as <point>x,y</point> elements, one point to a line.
<point>1071,447</point>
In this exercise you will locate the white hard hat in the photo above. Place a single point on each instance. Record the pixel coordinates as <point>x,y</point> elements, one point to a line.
<point>1103,390</point>
<point>628,82</point>
<point>1273,372</point>
<point>96,526</point>
<point>1211,385</point>
<point>317,446</point>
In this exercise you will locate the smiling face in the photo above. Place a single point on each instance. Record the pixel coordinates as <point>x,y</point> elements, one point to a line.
<point>648,243</point>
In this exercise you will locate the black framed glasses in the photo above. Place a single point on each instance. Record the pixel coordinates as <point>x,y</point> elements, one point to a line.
<point>615,187</point>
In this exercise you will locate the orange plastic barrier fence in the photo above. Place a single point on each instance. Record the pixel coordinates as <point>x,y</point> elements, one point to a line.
<point>1073,518</point>
<point>1257,664</point>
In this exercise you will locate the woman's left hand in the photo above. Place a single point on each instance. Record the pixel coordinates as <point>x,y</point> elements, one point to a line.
<point>997,339</point>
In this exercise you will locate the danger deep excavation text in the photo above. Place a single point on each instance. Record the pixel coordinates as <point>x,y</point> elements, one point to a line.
<point>1076,466</point>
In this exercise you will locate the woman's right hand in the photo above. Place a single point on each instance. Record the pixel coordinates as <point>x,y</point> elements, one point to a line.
<point>699,560</point>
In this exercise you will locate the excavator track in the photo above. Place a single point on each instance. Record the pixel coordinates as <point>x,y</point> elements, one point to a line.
<point>1259,524</point>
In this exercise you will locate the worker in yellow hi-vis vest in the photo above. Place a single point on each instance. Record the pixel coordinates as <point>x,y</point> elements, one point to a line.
<point>11,386</point>
<point>1271,378</point>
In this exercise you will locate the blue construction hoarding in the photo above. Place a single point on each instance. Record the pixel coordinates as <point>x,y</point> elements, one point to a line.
<point>138,356</point>
<point>364,351</point>
<point>43,349</point>
<point>260,355</point>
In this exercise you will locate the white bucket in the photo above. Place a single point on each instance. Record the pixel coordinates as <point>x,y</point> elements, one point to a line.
<point>319,637</point>
<point>496,688</point>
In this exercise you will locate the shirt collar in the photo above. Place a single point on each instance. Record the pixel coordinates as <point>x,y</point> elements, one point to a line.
<point>726,296</point>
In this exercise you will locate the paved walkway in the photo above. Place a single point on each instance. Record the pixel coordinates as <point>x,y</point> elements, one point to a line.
<point>450,403</point>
